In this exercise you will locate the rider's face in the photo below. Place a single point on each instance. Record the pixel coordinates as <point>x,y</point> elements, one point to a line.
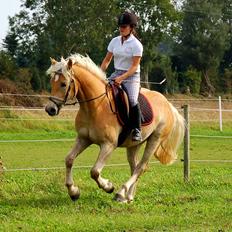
<point>124,30</point>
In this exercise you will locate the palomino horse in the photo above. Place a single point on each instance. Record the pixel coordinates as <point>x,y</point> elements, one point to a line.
<point>79,78</point>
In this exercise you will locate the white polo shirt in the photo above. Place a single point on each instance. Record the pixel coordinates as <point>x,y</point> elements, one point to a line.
<point>123,53</point>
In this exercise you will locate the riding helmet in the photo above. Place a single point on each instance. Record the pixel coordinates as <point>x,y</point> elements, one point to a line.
<point>128,18</point>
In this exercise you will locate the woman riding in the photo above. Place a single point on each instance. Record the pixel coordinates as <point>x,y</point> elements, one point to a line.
<point>127,52</point>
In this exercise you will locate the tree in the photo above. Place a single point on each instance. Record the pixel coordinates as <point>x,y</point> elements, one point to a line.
<point>55,28</point>
<point>204,38</point>
<point>8,66</point>
<point>226,63</point>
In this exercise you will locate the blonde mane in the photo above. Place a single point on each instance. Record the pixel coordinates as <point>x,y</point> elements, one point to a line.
<point>83,61</point>
<point>87,63</point>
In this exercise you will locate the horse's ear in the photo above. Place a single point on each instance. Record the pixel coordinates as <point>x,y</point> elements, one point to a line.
<point>53,61</point>
<point>69,64</point>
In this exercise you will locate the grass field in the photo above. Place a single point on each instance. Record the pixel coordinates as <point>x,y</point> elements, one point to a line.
<point>37,200</point>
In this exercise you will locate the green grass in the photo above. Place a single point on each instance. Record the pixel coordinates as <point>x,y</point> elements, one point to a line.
<point>38,201</point>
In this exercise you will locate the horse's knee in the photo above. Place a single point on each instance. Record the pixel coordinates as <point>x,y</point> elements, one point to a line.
<point>94,174</point>
<point>69,162</point>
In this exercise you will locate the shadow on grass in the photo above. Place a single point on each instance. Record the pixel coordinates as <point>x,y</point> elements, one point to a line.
<point>43,202</point>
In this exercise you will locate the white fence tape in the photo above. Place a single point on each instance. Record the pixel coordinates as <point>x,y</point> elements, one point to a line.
<point>107,165</point>
<point>68,140</point>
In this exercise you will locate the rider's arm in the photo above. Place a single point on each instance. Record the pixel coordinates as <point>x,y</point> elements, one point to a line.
<point>106,61</point>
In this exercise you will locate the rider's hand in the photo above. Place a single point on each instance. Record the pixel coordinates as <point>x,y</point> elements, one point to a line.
<point>118,81</point>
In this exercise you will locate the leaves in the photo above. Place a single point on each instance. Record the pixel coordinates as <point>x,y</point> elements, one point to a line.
<point>58,28</point>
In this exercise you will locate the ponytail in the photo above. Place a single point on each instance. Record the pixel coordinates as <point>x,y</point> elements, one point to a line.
<point>135,34</point>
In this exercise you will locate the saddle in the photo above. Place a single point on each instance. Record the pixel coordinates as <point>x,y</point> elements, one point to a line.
<point>122,109</point>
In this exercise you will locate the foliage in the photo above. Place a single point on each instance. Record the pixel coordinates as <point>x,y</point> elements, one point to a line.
<point>8,66</point>
<point>58,28</point>
<point>226,81</point>
<point>190,81</point>
<point>204,37</point>
<point>162,69</point>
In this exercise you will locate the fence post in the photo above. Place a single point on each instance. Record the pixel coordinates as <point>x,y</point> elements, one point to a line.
<point>220,112</point>
<point>186,144</point>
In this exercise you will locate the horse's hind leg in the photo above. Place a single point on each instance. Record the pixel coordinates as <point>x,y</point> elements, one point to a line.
<point>132,157</point>
<point>124,194</point>
<point>80,145</point>
<point>105,150</point>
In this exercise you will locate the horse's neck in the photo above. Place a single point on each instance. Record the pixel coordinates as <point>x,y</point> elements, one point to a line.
<point>89,87</point>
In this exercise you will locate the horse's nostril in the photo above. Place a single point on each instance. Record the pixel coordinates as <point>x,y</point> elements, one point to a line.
<point>52,111</point>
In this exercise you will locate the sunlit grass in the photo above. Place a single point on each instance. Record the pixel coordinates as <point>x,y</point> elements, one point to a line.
<point>38,201</point>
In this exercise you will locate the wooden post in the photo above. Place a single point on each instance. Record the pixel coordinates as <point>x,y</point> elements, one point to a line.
<point>186,144</point>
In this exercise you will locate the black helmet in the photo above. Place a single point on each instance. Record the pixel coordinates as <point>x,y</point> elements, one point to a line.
<point>128,18</point>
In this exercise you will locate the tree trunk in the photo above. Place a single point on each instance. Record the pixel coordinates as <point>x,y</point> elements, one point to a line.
<point>144,78</point>
<point>206,88</point>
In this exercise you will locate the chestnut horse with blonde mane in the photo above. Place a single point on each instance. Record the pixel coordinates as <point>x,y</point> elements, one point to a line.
<point>79,78</point>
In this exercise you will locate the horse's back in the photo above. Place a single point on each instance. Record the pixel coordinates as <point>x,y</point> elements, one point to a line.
<point>164,112</point>
<point>157,100</point>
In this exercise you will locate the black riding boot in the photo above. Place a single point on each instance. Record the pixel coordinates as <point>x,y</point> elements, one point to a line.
<point>135,117</point>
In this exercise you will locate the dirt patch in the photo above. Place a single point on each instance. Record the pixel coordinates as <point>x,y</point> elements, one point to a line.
<point>12,95</point>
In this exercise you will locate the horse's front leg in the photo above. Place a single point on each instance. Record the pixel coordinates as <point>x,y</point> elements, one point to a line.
<point>105,151</point>
<point>80,145</point>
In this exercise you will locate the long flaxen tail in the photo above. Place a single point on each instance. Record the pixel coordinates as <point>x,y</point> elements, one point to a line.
<point>167,151</point>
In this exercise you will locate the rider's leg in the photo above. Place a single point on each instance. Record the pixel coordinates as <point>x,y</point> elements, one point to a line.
<point>132,87</point>
<point>135,117</point>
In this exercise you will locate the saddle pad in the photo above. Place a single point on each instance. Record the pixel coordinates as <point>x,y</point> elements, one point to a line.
<point>122,108</point>
<point>146,110</point>
<point>146,118</point>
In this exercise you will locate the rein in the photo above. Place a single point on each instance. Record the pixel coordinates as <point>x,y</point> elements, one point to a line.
<point>63,102</point>
<point>59,102</point>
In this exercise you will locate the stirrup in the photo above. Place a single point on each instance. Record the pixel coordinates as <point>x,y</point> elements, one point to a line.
<point>136,135</point>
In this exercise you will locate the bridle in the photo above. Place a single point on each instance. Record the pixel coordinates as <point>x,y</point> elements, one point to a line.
<point>63,102</point>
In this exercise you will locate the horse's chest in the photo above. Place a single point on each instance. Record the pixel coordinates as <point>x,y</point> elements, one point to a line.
<point>98,129</point>
<point>88,132</point>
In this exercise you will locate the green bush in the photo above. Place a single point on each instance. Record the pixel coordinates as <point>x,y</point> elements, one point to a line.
<point>192,80</point>
<point>227,79</point>
<point>8,66</point>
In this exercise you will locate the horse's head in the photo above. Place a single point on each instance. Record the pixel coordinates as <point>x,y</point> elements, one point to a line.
<point>63,85</point>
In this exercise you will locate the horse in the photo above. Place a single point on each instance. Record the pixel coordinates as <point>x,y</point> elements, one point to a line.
<point>77,78</point>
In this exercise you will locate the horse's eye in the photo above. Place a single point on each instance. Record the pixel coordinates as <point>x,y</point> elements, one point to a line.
<point>63,85</point>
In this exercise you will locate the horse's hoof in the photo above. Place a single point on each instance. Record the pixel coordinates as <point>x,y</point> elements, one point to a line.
<point>130,200</point>
<point>120,198</point>
<point>110,190</point>
<point>75,197</point>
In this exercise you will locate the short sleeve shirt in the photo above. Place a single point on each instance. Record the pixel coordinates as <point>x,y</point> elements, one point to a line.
<point>123,53</point>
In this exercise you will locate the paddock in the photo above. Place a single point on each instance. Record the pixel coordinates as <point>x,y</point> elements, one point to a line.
<point>33,196</point>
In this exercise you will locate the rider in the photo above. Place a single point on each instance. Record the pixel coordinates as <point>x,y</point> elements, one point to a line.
<point>127,52</point>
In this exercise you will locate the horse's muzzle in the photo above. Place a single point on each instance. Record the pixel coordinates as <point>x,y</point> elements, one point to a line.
<point>52,109</point>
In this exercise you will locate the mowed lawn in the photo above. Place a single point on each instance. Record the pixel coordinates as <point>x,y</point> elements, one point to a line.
<point>38,201</point>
